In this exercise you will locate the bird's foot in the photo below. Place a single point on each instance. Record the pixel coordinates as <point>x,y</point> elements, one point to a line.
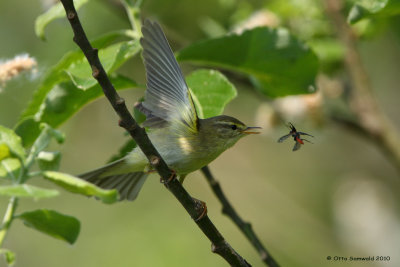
<point>201,208</point>
<point>169,179</point>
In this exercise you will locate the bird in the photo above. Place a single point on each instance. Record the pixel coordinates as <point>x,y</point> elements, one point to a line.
<point>296,137</point>
<point>185,141</point>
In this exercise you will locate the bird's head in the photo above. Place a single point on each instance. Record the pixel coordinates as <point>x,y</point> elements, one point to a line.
<point>225,130</point>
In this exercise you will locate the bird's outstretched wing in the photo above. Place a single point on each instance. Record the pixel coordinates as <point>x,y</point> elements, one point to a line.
<point>167,97</point>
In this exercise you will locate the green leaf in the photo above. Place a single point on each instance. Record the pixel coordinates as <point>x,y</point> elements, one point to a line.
<point>357,13</point>
<point>55,12</point>
<point>57,74</point>
<point>65,100</point>
<point>28,129</point>
<point>13,142</point>
<point>330,52</point>
<point>8,255</point>
<point>57,98</point>
<point>373,8</point>
<point>79,186</point>
<point>4,151</point>
<point>110,37</point>
<point>52,223</point>
<point>10,168</point>
<point>62,102</point>
<point>111,58</point>
<point>130,144</point>
<point>10,147</point>
<point>124,150</point>
<point>280,63</point>
<point>25,190</point>
<point>51,78</point>
<point>48,161</point>
<point>43,141</point>
<point>211,91</point>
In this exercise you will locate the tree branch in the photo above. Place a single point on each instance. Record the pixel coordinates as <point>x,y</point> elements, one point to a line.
<point>356,128</point>
<point>370,117</point>
<point>195,208</point>
<point>245,227</point>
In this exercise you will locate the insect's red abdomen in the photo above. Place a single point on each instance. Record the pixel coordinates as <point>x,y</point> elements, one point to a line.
<point>299,140</point>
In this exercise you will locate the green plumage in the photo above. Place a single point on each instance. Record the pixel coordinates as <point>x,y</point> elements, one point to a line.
<point>184,141</point>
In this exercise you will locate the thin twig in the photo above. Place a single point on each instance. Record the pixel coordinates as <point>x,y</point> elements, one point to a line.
<point>370,117</point>
<point>195,208</point>
<point>245,227</point>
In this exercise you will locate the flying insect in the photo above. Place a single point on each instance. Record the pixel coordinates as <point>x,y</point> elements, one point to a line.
<point>296,137</point>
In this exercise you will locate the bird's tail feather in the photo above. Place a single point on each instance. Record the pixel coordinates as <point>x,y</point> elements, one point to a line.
<point>128,185</point>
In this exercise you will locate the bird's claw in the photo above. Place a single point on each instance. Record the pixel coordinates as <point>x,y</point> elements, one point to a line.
<point>167,181</point>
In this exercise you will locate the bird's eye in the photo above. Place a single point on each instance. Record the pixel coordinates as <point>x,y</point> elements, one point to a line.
<point>234,127</point>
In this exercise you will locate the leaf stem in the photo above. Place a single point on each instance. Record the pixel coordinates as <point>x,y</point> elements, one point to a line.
<point>8,217</point>
<point>133,12</point>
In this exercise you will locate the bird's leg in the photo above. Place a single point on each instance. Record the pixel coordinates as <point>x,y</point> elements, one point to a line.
<point>182,178</point>
<point>201,207</point>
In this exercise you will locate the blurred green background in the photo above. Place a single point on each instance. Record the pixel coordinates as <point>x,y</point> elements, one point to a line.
<point>338,197</point>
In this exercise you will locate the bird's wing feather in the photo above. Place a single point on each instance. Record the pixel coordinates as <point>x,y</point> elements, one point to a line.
<point>128,185</point>
<point>151,120</point>
<point>167,95</point>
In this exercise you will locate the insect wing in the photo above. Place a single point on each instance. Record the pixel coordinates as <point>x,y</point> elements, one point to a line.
<point>283,138</point>
<point>297,146</point>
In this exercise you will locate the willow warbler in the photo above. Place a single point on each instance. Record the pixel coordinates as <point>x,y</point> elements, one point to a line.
<point>184,141</point>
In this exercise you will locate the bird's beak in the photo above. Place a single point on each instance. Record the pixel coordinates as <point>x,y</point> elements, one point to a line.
<point>249,130</point>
